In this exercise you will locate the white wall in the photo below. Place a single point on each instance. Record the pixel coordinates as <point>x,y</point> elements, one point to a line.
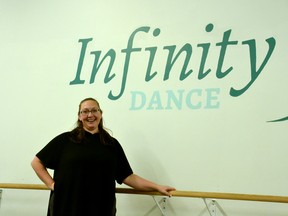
<point>227,146</point>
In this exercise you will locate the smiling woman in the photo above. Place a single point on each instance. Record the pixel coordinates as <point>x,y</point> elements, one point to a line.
<point>87,156</point>
<point>90,115</point>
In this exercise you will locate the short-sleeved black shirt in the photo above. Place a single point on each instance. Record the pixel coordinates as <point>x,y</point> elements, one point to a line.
<point>84,174</point>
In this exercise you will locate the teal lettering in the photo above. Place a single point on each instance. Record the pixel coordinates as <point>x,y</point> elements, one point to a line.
<point>170,61</point>
<point>111,53</point>
<point>193,99</point>
<point>205,47</point>
<point>152,51</point>
<point>254,72</point>
<point>77,79</point>
<point>225,42</point>
<point>127,52</point>
<point>212,96</point>
<point>142,100</point>
<point>189,99</point>
<point>155,101</point>
<point>172,97</point>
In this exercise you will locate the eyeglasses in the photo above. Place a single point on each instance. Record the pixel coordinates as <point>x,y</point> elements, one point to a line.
<point>86,112</point>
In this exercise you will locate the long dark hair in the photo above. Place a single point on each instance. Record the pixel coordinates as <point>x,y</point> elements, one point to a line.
<point>79,132</point>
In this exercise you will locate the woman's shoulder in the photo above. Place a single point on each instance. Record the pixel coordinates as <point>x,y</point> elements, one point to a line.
<point>116,143</point>
<point>63,136</point>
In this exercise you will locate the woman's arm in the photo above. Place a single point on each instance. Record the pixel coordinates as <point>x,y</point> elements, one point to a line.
<point>42,172</point>
<point>140,183</point>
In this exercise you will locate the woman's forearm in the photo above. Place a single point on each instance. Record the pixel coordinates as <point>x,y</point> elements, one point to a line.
<point>42,173</point>
<point>140,183</point>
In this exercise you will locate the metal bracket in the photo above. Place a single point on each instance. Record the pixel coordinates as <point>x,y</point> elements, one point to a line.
<point>161,205</point>
<point>0,196</point>
<point>214,208</point>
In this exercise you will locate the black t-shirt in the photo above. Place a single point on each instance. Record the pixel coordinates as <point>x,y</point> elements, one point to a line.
<point>84,174</point>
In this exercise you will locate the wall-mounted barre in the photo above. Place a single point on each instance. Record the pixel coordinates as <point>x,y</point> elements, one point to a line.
<point>212,195</point>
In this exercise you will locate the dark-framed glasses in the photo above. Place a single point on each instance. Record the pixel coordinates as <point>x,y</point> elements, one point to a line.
<point>86,112</point>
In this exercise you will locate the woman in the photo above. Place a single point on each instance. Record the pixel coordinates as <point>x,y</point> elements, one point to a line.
<point>86,162</point>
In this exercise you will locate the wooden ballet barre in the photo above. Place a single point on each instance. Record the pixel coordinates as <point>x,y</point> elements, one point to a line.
<point>211,195</point>
<point>24,186</point>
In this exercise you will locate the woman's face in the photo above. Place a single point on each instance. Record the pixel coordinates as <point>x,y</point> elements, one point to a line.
<point>90,116</point>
